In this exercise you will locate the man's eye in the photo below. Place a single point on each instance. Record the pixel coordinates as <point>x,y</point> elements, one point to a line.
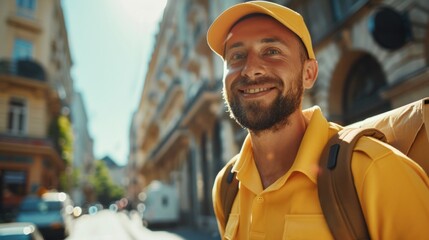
<point>272,52</point>
<point>237,56</point>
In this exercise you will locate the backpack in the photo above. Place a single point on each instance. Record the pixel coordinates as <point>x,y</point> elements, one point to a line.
<point>405,128</point>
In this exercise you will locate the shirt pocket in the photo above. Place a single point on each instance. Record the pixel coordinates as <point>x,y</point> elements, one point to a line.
<point>231,227</point>
<point>306,227</point>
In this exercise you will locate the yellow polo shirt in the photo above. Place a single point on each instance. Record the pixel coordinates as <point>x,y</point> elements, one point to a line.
<point>393,190</point>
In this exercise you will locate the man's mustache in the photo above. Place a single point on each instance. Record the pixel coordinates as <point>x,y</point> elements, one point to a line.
<point>241,82</point>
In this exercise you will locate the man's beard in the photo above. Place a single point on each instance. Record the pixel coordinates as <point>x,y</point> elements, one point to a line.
<point>258,118</point>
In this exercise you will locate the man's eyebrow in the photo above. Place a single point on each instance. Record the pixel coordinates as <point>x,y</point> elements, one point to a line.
<point>273,40</point>
<point>235,45</point>
<point>264,40</point>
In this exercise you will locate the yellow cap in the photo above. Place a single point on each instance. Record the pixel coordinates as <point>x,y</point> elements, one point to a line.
<point>218,31</point>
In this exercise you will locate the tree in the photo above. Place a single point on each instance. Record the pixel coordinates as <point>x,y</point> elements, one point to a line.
<point>61,134</point>
<point>106,191</point>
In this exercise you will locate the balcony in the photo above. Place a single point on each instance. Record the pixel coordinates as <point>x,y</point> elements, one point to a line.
<point>24,19</point>
<point>26,68</point>
<point>11,145</point>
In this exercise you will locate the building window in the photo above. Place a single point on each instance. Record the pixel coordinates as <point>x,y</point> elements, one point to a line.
<point>318,16</point>
<point>362,93</point>
<point>23,49</point>
<point>26,8</point>
<point>17,116</point>
<point>27,4</point>
<point>343,8</point>
<point>325,16</point>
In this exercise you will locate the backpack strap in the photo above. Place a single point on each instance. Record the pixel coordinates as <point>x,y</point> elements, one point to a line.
<point>338,198</point>
<point>228,188</point>
<point>425,110</point>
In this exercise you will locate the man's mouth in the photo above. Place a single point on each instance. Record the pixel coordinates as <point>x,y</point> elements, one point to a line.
<point>255,90</point>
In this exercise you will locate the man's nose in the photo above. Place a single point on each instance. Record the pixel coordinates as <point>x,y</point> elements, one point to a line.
<point>253,68</point>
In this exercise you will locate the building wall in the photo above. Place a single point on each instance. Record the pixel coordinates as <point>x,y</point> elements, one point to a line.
<point>182,133</point>
<point>83,154</point>
<point>405,69</point>
<point>37,114</point>
<point>46,90</point>
<point>45,28</point>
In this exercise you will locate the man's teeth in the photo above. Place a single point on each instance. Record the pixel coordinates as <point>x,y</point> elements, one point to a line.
<point>255,90</point>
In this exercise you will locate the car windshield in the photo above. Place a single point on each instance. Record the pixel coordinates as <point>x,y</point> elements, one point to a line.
<point>39,205</point>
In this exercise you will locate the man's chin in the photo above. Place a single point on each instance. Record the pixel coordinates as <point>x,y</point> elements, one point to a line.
<point>261,125</point>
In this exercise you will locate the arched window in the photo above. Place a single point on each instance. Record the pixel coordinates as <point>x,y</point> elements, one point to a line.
<point>362,89</point>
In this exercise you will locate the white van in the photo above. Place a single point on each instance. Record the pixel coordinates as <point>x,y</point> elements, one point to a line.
<point>161,204</point>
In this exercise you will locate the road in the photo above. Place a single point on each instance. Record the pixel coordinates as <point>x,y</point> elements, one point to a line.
<point>109,225</point>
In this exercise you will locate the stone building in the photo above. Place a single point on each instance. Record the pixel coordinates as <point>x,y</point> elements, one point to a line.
<point>35,88</point>
<point>83,153</point>
<point>373,56</point>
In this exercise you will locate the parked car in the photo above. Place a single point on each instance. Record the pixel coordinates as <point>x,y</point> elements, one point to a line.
<point>19,231</point>
<point>50,213</point>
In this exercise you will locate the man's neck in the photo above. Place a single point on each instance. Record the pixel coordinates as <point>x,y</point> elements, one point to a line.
<point>275,151</point>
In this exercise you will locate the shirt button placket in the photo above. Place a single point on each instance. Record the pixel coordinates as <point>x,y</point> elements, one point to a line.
<point>257,230</point>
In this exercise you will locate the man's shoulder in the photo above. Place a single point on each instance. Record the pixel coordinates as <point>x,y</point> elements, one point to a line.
<point>372,147</point>
<point>376,149</point>
<point>380,158</point>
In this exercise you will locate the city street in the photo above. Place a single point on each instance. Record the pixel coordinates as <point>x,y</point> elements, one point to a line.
<point>107,225</point>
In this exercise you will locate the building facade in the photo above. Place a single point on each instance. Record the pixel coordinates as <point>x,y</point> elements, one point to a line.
<point>35,88</point>
<point>83,152</point>
<point>373,56</point>
<point>116,171</point>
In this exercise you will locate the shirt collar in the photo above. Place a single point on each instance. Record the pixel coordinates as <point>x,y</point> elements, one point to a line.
<point>307,160</point>
<point>246,167</point>
<point>315,138</point>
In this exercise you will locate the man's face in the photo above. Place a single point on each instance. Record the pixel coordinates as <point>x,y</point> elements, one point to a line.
<point>263,74</point>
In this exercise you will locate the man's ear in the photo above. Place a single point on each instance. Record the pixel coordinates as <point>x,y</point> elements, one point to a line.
<point>310,71</point>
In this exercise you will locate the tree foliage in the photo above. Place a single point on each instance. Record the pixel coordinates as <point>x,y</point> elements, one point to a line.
<point>66,139</point>
<point>106,191</point>
<point>69,179</point>
<point>62,135</point>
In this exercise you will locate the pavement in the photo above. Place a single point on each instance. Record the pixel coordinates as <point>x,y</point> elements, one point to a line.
<point>109,225</point>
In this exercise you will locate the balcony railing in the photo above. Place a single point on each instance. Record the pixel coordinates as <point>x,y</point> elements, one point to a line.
<point>34,141</point>
<point>205,87</point>
<point>23,68</point>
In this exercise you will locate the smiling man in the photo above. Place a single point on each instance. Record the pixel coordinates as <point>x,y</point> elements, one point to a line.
<point>268,64</point>
<point>260,99</point>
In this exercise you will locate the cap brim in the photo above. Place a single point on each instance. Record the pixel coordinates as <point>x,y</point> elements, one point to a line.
<point>221,26</point>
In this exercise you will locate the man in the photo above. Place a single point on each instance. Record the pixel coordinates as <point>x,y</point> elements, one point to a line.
<point>268,63</point>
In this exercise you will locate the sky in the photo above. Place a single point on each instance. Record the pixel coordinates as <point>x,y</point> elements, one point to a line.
<point>111,42</point>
